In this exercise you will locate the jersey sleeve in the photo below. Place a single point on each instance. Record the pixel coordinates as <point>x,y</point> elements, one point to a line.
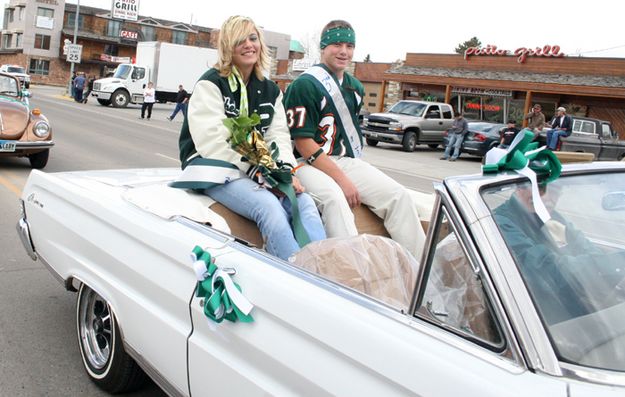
<point>302,102</point>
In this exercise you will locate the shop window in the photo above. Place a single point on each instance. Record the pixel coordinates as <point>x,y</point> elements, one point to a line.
<point>42,41</point>
<point>179,37</point>
<point>45,12</point>
<point>111,49</point>
<point>39,66</point>
<point>149,33</point>
<point>112,28</point>
<point>71,20</point>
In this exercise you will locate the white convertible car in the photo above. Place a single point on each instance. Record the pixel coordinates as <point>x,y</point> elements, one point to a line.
<point>502,303</point>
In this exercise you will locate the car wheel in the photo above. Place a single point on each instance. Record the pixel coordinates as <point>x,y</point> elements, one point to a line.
<point>371,142</point>
<point>433,145</point>
<point>101,346</point>
<point>40,159</point>
<point>410,141</point>
<point>104,102</point>
<point>120,99</point>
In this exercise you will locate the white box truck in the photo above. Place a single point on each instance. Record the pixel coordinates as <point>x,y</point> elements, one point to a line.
<point>166,65</point>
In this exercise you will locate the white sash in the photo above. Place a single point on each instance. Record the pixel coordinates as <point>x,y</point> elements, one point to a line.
<point>332,88</point>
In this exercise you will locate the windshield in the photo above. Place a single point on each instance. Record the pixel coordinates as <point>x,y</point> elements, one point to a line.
<point>15,69</point>
<point>409,108</point>
<point>122,72</point>
<point>574,264</point>
<point>8,86</point>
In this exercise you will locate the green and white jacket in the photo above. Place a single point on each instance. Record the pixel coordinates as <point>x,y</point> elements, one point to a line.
<point>205,153</point>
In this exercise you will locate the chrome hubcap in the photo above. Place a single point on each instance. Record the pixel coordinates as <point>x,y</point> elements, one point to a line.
<point>96,328</point>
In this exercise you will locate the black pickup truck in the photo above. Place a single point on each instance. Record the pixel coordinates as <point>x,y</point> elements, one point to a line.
<point>592,136</point>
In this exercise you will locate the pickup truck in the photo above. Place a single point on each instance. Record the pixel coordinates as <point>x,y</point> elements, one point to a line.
<point>592,136</point>
<point>409,123</point>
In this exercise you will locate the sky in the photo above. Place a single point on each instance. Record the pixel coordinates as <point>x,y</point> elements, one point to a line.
<point>387,30</point>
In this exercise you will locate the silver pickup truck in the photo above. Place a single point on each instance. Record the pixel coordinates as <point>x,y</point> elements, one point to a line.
<point>409,123</point>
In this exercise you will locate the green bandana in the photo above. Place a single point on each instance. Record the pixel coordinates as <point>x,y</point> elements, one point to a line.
<point>337,35</point>
<point>233,80</point>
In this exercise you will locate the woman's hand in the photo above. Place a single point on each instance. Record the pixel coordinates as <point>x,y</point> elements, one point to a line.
<point>297,185</point>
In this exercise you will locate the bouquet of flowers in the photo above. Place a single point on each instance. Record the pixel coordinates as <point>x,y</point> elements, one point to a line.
<point>246,140</point>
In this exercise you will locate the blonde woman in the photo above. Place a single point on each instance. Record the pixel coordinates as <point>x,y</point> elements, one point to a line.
<point>236,86</point>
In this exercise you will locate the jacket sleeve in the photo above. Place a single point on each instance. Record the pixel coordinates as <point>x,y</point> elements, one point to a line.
<point>209,134</point>
<point>278,132</point>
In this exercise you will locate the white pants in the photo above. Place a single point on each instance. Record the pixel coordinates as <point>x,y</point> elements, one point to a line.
<point>385,197</point>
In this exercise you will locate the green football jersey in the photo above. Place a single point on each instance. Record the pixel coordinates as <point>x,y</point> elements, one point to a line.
<point>311,113</point>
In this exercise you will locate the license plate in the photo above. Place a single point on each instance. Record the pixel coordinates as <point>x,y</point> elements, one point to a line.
<point>373,134</point>
<point>6,146</point>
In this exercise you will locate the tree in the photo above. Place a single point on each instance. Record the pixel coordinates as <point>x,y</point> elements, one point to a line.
<point>367,58</point>
<point>472,42</point>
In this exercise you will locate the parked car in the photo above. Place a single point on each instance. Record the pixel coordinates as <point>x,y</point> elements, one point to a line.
<point>24,132</point>
<point>594,136</point>
<point>18,72</point>
<point>409,123</point>
<point>482,137</point>
<point>483,317</point>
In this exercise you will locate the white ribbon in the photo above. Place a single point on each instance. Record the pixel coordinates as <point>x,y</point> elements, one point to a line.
<point>236,296</point>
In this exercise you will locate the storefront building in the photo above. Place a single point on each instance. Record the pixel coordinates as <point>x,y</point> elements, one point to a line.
<point>502,85</point>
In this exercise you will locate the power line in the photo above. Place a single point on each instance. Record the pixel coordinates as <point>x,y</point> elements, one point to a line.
<point>605,49</point>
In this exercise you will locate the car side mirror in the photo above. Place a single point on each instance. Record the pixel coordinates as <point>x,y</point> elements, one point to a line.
<point>27,94</point>
<point>613,201</point>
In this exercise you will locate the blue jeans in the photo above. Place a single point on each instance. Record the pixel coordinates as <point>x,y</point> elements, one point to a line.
<point>553,136</point>
<point>455,141</point>
<point>179,107</point>
<point>271,214</point>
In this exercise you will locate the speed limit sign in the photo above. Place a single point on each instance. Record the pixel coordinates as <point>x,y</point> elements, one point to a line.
<point>74,53</point>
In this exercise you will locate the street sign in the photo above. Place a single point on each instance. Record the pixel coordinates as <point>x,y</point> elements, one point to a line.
<point>74,53</point>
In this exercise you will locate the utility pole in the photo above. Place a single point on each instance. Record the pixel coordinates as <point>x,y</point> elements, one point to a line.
<point>71,68</point>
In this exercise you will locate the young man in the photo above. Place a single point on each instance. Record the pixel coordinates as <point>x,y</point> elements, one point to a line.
<point>182,98</point>
<point>508,134</point>
<point>456,133</point>
<point>322,112</point>
<point>561,125</point>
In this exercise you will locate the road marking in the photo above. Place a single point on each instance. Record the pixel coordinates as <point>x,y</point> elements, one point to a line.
<point>167,157</point>
<point>6,183</point>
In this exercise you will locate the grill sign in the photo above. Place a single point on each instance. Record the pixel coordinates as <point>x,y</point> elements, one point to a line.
<point>128,35</point>
<point>521,53</point>
<point>125,9</point>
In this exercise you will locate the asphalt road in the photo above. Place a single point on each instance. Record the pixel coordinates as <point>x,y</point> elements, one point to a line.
<point>38,347</point>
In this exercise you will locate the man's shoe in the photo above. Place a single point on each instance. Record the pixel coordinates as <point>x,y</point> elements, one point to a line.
<point>443,158</point>
<point>452,159</point>
<point>168,118</point>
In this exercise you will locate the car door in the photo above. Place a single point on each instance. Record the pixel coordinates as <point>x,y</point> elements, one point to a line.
<point>314,337</point>
<point>584,138</point>
<point>611,148</point>
<point>432,125</point>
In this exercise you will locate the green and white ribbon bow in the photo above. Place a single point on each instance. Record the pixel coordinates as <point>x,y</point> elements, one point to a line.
<point>524,157</point>
<point>223,298</point>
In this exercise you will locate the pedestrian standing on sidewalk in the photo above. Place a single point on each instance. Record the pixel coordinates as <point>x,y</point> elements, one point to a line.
<point>182,98</point>
<point>79,86</point>
<point>149,97</point>
<point>456,133</point>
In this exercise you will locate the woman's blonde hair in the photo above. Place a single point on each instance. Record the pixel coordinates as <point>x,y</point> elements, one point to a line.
<point>234,31</point>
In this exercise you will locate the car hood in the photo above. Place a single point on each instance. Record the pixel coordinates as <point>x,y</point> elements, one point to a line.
<point>24,75</point>
<point>392,117</point>
<point>109,80</point>
<point>15,116</point>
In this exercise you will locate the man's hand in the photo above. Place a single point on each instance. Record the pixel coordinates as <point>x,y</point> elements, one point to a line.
<point>349,190</point>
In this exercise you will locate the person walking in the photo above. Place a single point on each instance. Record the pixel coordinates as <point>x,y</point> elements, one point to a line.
<point>456,133</point>
<point>322,112</point>
<point>149,97</point>
<point>89,89</point>
<point>182,98</point>
<point>79,86</point>
<point>236,87</point>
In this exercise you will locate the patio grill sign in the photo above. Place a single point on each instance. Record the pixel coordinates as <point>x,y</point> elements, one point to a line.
<point>481,92</point>
<point>125,9</point>
<point>522,53</point>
